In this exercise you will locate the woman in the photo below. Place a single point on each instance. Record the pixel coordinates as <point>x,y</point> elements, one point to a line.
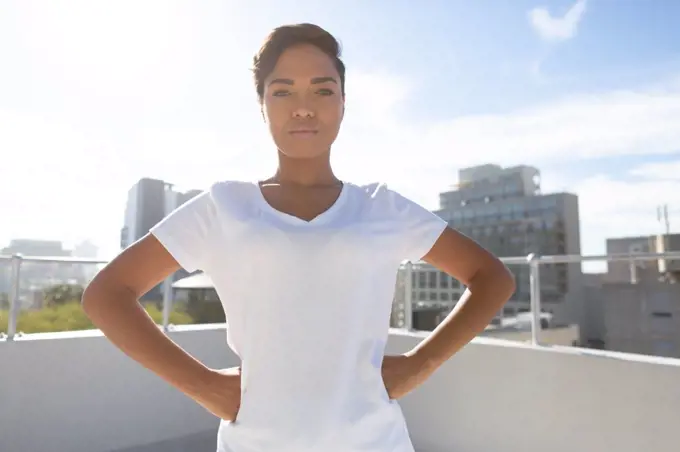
<point>304,264</point>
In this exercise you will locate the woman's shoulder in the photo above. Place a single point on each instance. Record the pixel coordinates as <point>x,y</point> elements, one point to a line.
<point>378,197</point>
<point>373,190</point>
<point>233,187</point>
<point>233,196</point>
<point>380,191</point>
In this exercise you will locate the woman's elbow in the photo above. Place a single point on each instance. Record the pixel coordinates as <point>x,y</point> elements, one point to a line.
<point>504,279</point>
<point>91,296</point>
<point>97,293</point>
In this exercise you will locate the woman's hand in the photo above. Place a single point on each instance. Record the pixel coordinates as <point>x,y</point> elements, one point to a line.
<point>222,393</point>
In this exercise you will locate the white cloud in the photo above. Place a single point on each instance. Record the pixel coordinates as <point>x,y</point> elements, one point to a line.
<point>577,127</point>
<point>624,207</point>
<point>659,171</point>
<point>611,207</point>
<point>557,28</point>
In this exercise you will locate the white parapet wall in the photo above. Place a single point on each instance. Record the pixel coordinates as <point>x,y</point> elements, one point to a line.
<point>77,393</point>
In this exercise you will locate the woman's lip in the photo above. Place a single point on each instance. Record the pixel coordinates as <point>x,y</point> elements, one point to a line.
<point>303,132</point>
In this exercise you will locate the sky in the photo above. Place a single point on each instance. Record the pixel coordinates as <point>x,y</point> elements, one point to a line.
<point>95,95</point>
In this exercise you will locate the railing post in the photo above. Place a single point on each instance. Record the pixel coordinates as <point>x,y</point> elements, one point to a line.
<point>170,199</point>
<point>167,303</point>
<point>14,296</point>
<point>408,296</point>
<point>633,272</point>
<point>535,297</point>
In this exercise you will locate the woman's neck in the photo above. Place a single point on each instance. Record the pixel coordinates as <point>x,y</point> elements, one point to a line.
<point>309,172</point>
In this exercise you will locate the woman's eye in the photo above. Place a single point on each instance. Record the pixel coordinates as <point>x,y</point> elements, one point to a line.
<point>280,93</point>
<point>326,92</point>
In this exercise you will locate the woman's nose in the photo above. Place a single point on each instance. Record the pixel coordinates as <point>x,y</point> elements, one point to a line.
<point>303,112</point>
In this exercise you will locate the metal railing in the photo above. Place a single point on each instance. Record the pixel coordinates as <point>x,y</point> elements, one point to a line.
<point>534,262</point>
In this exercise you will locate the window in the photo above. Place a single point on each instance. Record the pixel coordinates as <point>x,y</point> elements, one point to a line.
<point>661,322</point>
<point>432,279</point>
<point>444,280</point>
<point>662,315</point>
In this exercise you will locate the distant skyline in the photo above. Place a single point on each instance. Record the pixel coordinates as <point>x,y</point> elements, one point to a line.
<point>100,94</point>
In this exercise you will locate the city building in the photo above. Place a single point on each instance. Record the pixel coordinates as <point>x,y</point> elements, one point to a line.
<point>641,318</point>
<point>149,201</point>
<point>433,294</point>
<point>504,210</point>
<point>36,276</point>
<point>643,271</point>
<point>632,307</point>
<point>31,247</point>
<point>146,206</point>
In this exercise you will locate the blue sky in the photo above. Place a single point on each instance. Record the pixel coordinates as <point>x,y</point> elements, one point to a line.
<point>101,93</point>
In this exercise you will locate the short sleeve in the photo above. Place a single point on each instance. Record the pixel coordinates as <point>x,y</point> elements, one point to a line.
<point>187,231</point>
<point>420,228</point>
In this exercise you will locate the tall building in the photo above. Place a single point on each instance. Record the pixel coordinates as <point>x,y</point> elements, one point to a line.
<point>149,200</point>
<point>181,198</point>
<point>504,210</point>
<point>145,207</point>
<point>433,294</point>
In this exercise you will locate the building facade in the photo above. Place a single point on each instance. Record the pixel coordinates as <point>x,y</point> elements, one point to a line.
<point>149,201</point>
<point>641,318</point>
<point>146,205</point>
<point>504,210</point>
<point>36,276</point>
<point>643,271</point>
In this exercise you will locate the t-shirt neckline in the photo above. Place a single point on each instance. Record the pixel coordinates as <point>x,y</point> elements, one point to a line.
<point>323,217</point>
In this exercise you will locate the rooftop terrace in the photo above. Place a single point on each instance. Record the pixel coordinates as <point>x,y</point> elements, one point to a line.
<point>73,391</point>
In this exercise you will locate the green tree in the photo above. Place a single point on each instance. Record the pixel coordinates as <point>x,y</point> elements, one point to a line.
<point>177,317</point>
<point>62,294</point>
<point>69,316</point>
<point>204,309</point>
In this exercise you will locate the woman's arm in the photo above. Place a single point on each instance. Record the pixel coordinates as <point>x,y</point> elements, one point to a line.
<point>111,302</point>
<point>489,286</point>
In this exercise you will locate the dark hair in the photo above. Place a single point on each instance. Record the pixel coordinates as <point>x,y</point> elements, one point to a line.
<point>281,38</point>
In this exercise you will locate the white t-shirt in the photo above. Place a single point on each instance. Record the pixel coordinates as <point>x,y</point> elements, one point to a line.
<point>307,307</point>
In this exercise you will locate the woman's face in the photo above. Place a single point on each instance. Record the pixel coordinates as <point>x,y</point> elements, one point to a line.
<point>303,103</point>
